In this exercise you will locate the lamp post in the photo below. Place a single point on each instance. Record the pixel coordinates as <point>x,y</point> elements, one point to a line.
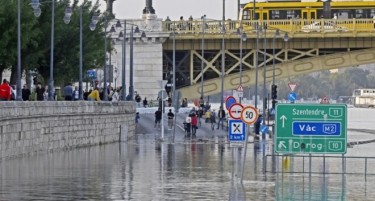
<point>19,91</point>
<point>222,60</point>
<point>202,60</point>
<point>122,35</point>
<point>37,12</point>
<point>105,88</point>
<point>175,99</point>
<point>264,75</point>
<point>243,37</point>
<point>35,5</point>
<point>286,38</point>
<point>94,21</point>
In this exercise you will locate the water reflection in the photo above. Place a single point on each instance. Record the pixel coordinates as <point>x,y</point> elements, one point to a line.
<point>146,170</point>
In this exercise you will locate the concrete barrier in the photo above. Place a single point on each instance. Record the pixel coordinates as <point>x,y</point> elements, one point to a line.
<point>31,127</point>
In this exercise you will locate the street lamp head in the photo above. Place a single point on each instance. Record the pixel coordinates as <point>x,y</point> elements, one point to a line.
<point>68,11</point>
<point>66,19</point>
<point>143,35</point>
<point>113,30</point>
<point>35,4</point>
<point>286,37</point>
<point>244,37</point>
<point>37,12</point>
<point>136,30</point>
<point>203,17</point>
<point>277,33</point>
<point>92,26</point>
<point>95,19</point>
<point>121,35</point>
<point>118,24</point>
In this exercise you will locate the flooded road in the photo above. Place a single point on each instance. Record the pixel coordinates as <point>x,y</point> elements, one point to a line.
<point>145,169</point>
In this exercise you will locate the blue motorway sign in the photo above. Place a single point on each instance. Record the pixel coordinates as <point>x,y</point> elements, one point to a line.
<point>91,74</point>
<point>306,128</point>
<point>292,97</point>
<point>236,131</point>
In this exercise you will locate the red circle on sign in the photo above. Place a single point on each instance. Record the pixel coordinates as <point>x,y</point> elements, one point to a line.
<point>249,119</point>
<point>234,112</point>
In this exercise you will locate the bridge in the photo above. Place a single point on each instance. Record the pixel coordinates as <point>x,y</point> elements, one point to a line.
<point>309,48</point>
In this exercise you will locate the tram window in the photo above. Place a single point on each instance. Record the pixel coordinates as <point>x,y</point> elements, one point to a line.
<point>246,15</point>
<point>256,16</point>
<point>275,14</point>
<point>359,13</point>
<point>290,14</point>
<point>282,14</point>
<point>372,13</point>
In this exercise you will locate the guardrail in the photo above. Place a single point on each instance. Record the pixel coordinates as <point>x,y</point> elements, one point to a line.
<point>326,164</point>
<point>290,26</point>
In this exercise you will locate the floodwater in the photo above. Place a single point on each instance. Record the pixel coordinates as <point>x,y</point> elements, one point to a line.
<point>193,170</point>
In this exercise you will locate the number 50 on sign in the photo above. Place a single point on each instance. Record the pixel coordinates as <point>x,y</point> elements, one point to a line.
<point>249,115</point>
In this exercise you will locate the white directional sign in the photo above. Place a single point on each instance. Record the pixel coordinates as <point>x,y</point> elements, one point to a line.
<point>235,111</point>
<point>236,132</point>
<point>249,115</point>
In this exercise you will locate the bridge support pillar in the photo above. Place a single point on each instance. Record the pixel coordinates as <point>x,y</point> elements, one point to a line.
<point>148,54</point>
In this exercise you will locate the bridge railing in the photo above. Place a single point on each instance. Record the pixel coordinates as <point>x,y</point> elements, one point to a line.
<point>290,26</point>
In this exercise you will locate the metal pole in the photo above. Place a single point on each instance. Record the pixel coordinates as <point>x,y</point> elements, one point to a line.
<point>222,60</point>
<point>273,59</point>
<point>264,75</point>
<point>19,91</point>
<point>175,98</point>
<point>202,61</point>
<point>80,87</point>
<point>105,95</point>
<point>162,110</point>
<point>241,60</point>
<point>131,86</point>
<point>51,84</point>
<point>123,97</point>
<point>256,58</point>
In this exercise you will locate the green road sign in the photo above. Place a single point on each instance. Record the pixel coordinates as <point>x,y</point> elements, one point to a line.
<point>311,128</point>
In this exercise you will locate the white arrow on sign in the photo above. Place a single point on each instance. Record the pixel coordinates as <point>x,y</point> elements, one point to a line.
<point>283,118</point>
<point>282,145</point>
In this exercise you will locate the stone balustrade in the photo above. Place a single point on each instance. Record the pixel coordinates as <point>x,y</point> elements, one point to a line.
<point>32,127</point>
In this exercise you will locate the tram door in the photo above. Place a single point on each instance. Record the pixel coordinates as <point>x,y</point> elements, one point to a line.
<point>308,16</point>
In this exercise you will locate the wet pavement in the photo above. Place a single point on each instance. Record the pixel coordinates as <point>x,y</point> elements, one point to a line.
<point>190,169</point>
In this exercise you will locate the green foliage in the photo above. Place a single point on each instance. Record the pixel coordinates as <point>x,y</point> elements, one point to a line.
<point>36,39</point>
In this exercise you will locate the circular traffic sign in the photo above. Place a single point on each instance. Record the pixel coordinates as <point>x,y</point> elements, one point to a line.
<point>235,111</point>
<point>249,115</point>
<point>229,102</point>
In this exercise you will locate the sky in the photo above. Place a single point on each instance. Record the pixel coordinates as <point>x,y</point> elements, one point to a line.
<point>213,9</point>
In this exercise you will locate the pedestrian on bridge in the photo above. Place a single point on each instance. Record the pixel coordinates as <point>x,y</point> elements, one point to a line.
<point>158,116</point>
<point>170,119</point>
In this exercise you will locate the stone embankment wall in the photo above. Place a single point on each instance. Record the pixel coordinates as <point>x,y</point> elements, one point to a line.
<point>33,127</point>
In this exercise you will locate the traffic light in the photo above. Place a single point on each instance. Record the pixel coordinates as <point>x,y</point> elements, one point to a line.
<point>265,103</point>
<point>274,103</point>
<point>274,92</point>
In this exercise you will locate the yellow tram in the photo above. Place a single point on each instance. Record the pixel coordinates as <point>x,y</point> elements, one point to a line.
<point>305,13</point>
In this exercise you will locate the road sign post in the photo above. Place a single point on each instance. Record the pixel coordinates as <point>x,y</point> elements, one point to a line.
<point>302,128</point>
<point>236,132</point>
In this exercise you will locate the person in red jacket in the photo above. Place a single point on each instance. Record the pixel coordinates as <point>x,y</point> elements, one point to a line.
<point>194,123</point>
<point>5,91</point>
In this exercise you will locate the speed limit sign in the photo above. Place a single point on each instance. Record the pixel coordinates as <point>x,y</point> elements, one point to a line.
<point>249,115</point>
